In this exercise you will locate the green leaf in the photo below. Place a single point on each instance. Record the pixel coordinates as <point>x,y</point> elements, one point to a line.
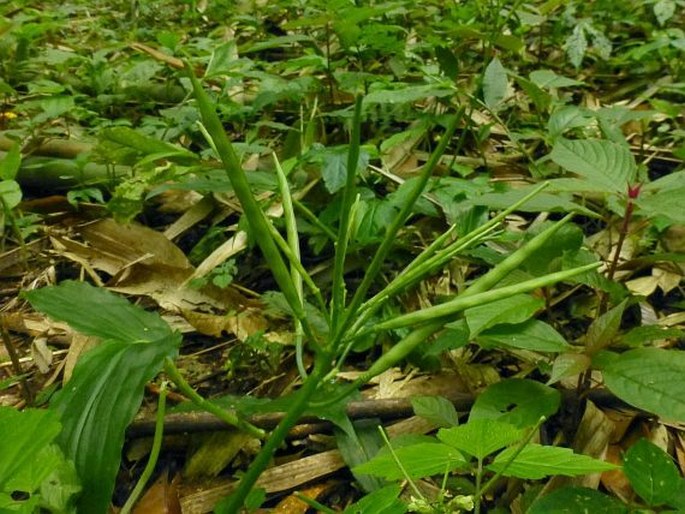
<point>97,312</point>
<point>435,409</point>
<point>108,383</point>
<point>383,501</point>
<point>514,309</point>
<point>516,401</point>
<point>536,461</point>
<point>419,460</point>
<point>97,405</point>
<point>651,472</point>
<point>407,94</point>
<point>480,437</point>
<point>664,10</point>
<point>10,193</point>
<point>9,165</point>
<point>495,84</point>
<point>572,500</point>
<point>603,329</point>
<point>667,202</point>
<point>532,335</point>
<point>576,45</point>
<point>568,365</point>
<point>144,144</point>
<point>549,79</point>
<point>358,447</point>
<point>651,379</point>
<point>25,434</point>
<point>609,167</point>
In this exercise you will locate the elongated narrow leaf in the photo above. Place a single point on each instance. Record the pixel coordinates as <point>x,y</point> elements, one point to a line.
<point>651,472</point>
<point>536,461</point>
<point>517,401</point>
<point>480,437</point>
<point>608,166</point>
<point>407,94</point>
<point>419,460</point>
<point>98,404</point>
<point>651,379</point>
<point>97,312</point>
<point>572,500</point>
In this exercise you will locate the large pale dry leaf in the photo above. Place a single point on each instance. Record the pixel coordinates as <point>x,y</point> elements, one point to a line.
<point>160,498</point>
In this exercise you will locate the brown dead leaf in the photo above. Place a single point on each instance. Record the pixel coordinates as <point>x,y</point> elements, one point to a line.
<point>161,498</point>
<point>291,504</point>
<point>616,481</point>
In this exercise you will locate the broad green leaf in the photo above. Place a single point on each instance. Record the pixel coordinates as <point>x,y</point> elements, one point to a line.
<point>383,501</point>
<point>480,437</point>
<point>97,312</point>
<point>358,447</point>
<point>30,476</point>
<point>514,309</point>
<point>536,461</point>
<point>651,472</point>
<point>542,202</point>
<point>549,79</point>
<point>573,500</point>
<point>495,84</point>
<point>10,193</point>
<point>516,401</point>
<point>25,434</point>
<point>667,202</point>
<point>144,144</point>
<point>608,166</point>
<point>568,365</point>
<point>566,118</point>
<point>419,461</point>
<point>407,94</point>
<point>651,379</point>
<point>9,165</point>
<point>436,409</point>
<point>532,335</point>
<point>603,329</point>
<point>96,406</point>
<point>664,10</point>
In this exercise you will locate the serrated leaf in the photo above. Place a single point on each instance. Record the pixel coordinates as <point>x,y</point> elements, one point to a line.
<point>407,94</point>
<point>514,309</point>
<point>419,461</point>
<point>651,472</point>
<point>651,379</point>
<point>480,437</point>
<point>572,500</point>
<point>436,409</point>
<point>549,79</point>
<point>536,461</point>
<point>383,501</point>
<point>516,401</point>
<point>667,202</point>
<point>96,312</point>
<point>24,435</point>
<point>532,335</point>
<point>664,10</point>
<point>576,45</point>
<point>495,84</point>
<point>608,166</point>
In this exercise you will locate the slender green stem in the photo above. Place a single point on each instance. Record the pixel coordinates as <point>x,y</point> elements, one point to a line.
<point>342,240</point>
<point>399,464</point>
<point>479,481</point>
<point>227,417</point>
<point>293,243</point>
<point>463,302</point>
<point>519,449</point>
<point>154,453</point>
<point>256,218</point>
<point>319,507</point>
<point>398,222</point>
<point>235,501</point>
<point>311,218</point>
